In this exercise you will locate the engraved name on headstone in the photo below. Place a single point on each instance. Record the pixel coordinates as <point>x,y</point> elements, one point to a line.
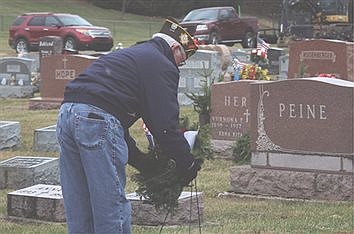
<point>230,110</point>
<point>322,57</point>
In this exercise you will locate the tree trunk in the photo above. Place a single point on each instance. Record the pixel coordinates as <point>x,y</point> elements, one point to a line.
<point>204,119</point>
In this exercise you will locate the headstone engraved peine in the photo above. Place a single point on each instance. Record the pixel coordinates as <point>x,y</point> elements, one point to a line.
<point>193,72</point>
<point>322,57</point>
<point>230,115</point>
<point>15,77</point>
<point>56,72</point>
<point>302,144</point>
<point>23,171</point>
<point>41,202</point>
<point>45,139</point>
<point>9,134</point>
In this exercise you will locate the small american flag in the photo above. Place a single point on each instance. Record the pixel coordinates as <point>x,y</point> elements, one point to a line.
<point>262,45</point>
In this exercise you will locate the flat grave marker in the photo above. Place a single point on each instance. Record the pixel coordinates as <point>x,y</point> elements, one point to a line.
<point>23,171</point>
<point>10,134</point>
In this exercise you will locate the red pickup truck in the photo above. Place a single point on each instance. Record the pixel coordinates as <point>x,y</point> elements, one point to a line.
<point>221,25</point>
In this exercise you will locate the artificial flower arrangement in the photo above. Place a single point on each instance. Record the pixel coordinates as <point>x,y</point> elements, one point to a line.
<point>259,57</point>
<point>253,72</point>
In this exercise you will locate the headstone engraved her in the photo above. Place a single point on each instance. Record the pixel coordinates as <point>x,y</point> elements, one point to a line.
<point>230,110</point>
<point>9,134</point>
<point>230,115</point>
<point>302,144</point>
<point>56,72</point>
<point>23,171</point>
<point>40,202</point>
<point>320,56</point>
<point>45,139</point>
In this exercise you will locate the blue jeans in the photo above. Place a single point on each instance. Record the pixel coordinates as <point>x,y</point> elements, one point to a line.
<point>93,155</point>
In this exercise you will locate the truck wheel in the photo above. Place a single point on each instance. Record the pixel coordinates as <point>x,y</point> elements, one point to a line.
<point>249,41</point>
<point>21,46</point>
<point>213,38</point>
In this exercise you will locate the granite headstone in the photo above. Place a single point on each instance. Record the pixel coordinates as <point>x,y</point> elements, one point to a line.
<point>23,171</point>
<point>319,56</point>
<point>56,72</point>
<point>203,63</point>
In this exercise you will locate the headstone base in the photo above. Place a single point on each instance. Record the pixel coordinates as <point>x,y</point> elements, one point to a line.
<point>9,91</point>
<point>292,184</point>
<point>39,103</point>
<point>223,149</point>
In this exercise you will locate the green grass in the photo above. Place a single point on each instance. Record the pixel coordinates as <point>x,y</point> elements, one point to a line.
<point>221,215</point>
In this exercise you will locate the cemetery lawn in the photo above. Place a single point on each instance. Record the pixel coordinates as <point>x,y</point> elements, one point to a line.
<point>232,214</point>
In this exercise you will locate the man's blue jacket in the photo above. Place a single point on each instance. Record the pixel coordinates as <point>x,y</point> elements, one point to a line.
<point>137,82</point>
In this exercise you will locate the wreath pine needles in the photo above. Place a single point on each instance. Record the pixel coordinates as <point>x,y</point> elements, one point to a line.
<point>160,186</point>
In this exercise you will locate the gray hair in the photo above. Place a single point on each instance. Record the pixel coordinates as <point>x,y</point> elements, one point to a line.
<point>170,41</point>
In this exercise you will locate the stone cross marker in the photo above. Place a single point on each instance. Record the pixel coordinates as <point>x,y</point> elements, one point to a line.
<point>322,56</point>
<point>230,110</point>
<point>56,72</point>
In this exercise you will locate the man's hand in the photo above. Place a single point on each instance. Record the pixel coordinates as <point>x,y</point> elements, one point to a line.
<point>189,174</point>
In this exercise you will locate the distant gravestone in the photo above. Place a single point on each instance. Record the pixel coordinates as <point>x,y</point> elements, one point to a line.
<point>194,71</point>
<point>23,171</point>
<point>56,72</point>
<point>45,139</point>
<point>322,57</point>
<point>283,67</point>
<point>9,134</point>
<point>50,45</point>
<point>302,144</point>
<point>40,202</point>
<point>18,69</point>
<point>274,55</point>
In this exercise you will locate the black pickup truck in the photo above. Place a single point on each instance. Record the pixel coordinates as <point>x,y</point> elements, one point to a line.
<point>221,25</point>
